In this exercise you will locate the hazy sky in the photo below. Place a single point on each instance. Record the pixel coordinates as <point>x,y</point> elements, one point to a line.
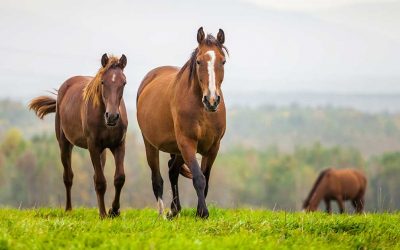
<point>311,5</point>
<point>338,46</point>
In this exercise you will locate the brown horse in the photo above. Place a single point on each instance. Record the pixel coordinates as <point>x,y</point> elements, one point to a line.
<point>181,111</point>
<point>339,185</point>
<point>90,113</point>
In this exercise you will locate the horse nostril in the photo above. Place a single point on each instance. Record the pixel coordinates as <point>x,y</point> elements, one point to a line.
<point>116,116</point>
<point>218,100</point>
<point>205,99</point>
<point>107,115</point>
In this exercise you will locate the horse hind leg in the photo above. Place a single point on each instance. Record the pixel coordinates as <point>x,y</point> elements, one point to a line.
<point>174,165</point>
<point>103,159</point>
<point>361,203</point>
<point>68,175</point>
<point>358,204</point>
<point>152,155</point>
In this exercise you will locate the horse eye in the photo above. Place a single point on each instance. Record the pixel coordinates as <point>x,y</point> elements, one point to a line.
<point>198,62</point>
<point>223,62</point>
<point>124,83</point>
<point>102,82</point>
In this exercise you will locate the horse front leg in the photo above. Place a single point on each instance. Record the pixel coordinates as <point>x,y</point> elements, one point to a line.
<point>100,182</point>
<point>207,163</point>
<point>119,178</point>
<point>340,202</point>
<point>188,148</point>
<point>328,205</point>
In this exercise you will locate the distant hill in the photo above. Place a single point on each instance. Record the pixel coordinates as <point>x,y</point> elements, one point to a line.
<point>369,103</point>
<point>292,126</point>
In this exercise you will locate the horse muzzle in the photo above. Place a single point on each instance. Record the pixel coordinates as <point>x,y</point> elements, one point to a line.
<point>211,105</point>
<point>111,119</point>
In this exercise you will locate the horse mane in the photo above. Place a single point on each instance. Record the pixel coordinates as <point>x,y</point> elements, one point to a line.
<point>191,63</point>
<point>92,91</point>
<point>317,182</point>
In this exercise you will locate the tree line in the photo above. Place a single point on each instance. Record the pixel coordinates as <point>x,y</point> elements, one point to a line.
<point>267,177</point>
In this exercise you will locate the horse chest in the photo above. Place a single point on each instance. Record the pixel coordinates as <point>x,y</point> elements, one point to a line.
<point>209,135</point>
<point>105,137</point>
<point>111,138</point>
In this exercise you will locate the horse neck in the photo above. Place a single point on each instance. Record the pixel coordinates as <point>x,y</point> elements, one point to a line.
<point>100,108</point>
<point>189,87</point>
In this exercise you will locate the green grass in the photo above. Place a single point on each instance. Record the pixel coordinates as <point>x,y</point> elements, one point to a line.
<point>46,228</point>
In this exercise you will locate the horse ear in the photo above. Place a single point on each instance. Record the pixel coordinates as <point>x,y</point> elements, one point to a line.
<point>104,60</point>
<point>221,36</point>
<point>200,35</point>
<point>123,61</point>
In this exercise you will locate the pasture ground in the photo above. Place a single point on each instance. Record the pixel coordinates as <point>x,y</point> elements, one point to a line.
<point>47,228</point>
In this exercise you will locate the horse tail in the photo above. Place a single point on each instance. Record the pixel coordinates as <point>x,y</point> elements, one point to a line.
<point>43,105</point>
<point>316,183</point>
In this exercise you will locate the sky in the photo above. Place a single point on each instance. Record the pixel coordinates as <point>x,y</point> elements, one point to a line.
<point>338,46</point>
<point>311,5</point>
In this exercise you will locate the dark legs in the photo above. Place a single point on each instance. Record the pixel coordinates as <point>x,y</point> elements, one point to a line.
<point>340,204</point>
<point>66,149</point>
<point>174,165</point>
<point>188,148</point>
<point>328,205</point>
<point>98,157</point>
<point>207,163</point>
<point>99,178</point>
<point>358,204</point>
<point>119,178</point>
<point>157,181</point>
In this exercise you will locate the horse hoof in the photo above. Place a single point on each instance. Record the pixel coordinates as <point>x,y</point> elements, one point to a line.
<point>172,214</point>
<point>112,213</point>
<point>202,213</point>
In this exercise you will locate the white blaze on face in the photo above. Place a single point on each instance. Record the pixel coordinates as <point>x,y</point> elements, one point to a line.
<point>113,78</point>
<point>212,87</point>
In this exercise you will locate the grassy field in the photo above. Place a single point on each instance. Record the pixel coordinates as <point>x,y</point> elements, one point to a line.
<point>225,229</point>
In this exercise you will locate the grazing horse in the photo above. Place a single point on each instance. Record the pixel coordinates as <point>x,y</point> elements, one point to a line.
<point>181,111</point>
<point>339,185</point>
<point>90,113</point>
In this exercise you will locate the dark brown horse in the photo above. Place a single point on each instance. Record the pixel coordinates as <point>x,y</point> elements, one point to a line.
<point>90,113</point>
<point>181,111</point>
<point>339,185</point>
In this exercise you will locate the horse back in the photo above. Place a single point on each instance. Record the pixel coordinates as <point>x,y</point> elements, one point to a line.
<point>352,182</point>
<point>168,72</point>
